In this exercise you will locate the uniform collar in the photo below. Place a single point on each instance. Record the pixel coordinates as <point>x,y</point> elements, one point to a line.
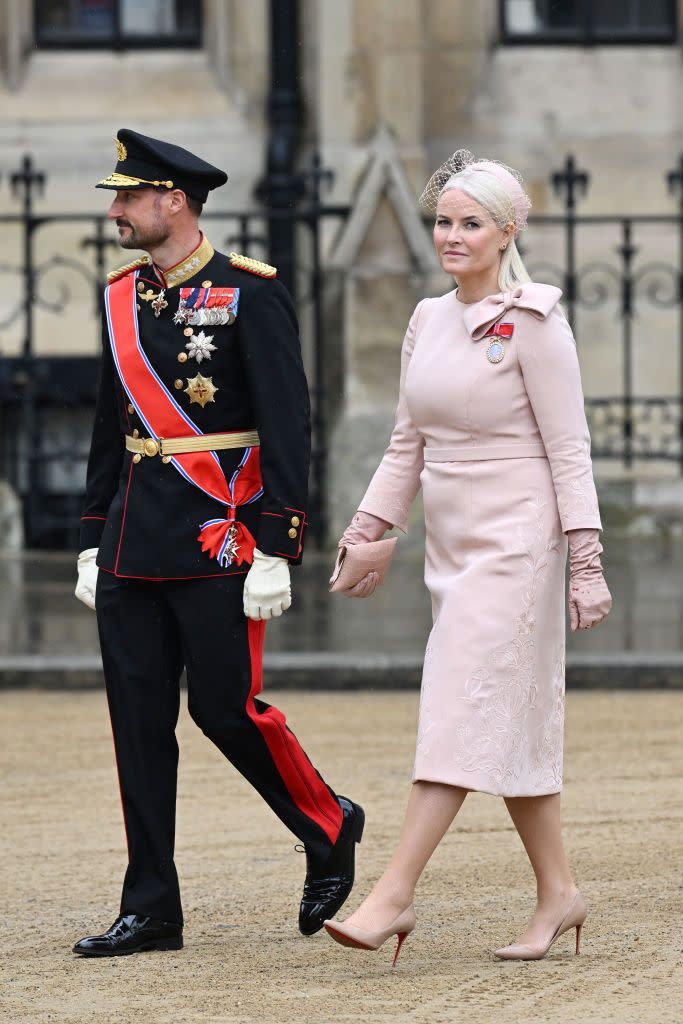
<point>189,266</point>
<point>538,299</point>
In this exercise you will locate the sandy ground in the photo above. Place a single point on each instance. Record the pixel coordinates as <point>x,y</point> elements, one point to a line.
<point>62,860</point>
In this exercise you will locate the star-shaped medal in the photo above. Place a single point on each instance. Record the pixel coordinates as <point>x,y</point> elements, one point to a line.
<point>230,550</point>
<point>159,303</point>
<point>200,389</point>
<point>199,346</point>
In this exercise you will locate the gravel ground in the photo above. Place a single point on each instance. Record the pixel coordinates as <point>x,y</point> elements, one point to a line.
<point>244,961</point>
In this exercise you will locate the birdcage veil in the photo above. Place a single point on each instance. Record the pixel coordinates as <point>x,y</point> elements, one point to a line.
<point>463,160</point>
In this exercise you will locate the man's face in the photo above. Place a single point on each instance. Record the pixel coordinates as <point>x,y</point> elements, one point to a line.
<point>141,218</point>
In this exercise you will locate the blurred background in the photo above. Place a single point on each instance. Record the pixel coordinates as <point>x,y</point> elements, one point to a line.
<point>329,116</point>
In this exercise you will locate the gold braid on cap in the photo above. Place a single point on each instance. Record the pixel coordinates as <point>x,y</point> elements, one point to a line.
<point>463,160</point>
<point>116,179</point>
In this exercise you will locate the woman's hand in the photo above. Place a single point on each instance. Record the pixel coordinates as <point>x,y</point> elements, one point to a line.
<point>363,529</point>
<point>365,588</point>
<point>589,598</point>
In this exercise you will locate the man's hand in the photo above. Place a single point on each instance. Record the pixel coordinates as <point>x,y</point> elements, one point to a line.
<point>267,589</point>
<point>87,577</point>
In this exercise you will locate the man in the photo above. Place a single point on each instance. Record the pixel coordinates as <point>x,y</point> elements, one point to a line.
<point>195,507</point>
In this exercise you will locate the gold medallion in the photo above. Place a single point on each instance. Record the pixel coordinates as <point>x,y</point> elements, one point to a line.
<point>121,151</point>
<point>200,389</point>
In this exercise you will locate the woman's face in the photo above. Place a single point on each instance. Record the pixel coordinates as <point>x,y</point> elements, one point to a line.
<point>468,242</point>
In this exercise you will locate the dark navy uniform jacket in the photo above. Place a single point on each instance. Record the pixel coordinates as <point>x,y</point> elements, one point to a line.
<point>145,516</point>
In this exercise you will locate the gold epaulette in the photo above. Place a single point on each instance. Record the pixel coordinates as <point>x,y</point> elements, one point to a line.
<point>141,261</point>
<point>252,266</point>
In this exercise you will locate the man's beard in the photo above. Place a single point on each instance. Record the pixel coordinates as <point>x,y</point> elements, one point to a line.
<point>143,238</point>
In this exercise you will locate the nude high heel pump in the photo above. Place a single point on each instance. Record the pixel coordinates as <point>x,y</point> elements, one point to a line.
<point>359,938</point>
<point>573,918</point>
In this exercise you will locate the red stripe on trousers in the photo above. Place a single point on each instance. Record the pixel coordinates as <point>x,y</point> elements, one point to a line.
<point>304,785</point>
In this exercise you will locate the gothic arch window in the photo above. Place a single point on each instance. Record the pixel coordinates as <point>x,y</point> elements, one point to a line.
<point>117,24</point>
<point>588,22</point>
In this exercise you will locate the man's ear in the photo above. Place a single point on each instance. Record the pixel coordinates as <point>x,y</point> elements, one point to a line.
<point>177,200</point>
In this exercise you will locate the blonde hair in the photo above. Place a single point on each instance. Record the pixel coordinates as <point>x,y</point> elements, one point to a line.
<point>487,190</point>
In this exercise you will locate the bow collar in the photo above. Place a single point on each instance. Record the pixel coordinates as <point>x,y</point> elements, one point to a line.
<point>538,299</point>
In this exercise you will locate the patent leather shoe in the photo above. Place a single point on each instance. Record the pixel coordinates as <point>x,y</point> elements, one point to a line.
<point>330,880</point>
<point>132,933</point>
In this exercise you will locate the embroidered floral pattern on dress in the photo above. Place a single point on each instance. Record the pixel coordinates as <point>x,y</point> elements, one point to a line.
<point>504,691</point>
<point>548,761</point>
<point>577,499</point>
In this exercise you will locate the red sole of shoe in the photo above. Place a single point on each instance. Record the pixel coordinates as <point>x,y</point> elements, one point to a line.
<point>344,940</point>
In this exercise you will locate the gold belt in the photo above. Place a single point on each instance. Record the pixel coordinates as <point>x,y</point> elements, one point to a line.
<point>186,445</point>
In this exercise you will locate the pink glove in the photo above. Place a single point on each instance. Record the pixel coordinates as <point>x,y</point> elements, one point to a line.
<point>589,597</point>
<point>363,529</point>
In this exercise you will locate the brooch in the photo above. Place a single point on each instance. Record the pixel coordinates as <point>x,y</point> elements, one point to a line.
<point>496,349</point>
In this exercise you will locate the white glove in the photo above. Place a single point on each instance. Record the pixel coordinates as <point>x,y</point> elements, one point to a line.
<point>87,577</point>
<point>267,590</point>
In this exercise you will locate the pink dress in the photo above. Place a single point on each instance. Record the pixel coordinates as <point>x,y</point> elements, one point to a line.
<point>492,426</point>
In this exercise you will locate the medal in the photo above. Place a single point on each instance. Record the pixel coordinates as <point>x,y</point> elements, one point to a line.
<point>199,346</point>
<point>207,307</point>
<point>201,390</point>
<point>159,303</point>
<point>495,352</point>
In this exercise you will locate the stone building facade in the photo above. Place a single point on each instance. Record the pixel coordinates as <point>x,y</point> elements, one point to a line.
<point>390,87</point>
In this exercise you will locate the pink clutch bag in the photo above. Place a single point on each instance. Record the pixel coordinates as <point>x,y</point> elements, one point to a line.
<point>357,560</point>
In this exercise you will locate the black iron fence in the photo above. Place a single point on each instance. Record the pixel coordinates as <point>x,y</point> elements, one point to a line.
<point>622,278</point>
<point>47,400</point>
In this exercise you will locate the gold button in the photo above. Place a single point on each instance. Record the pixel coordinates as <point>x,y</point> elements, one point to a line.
<point>136,432</point>
<point>292,534</point>
<point>138,306</point>
<point>141,286</point>
<point>151,447</point>
<point>137,457</point>
<point>206,284</point>
<point>188,332</point>
<point>296,521</point>
<point>166,459</point>
<point>182,357</point>
<point>131,408</point>
<point>177,384</point>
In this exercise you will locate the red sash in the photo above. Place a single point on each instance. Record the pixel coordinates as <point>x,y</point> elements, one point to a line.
<point>225,539</point>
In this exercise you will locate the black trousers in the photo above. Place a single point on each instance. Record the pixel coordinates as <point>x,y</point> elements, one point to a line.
<point>148,632</point>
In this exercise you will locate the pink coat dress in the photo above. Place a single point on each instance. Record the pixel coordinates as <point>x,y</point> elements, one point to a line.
<point>492,426</point>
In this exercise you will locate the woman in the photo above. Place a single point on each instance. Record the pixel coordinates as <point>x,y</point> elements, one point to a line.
<point>490,422</point>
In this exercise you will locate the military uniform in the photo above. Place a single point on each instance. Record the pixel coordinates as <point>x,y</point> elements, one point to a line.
<point>242,375</point>
<point>212,344</point>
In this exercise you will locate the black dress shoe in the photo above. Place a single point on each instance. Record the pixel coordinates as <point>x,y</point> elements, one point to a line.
<point>329,881</point>
<point>132,933</point>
